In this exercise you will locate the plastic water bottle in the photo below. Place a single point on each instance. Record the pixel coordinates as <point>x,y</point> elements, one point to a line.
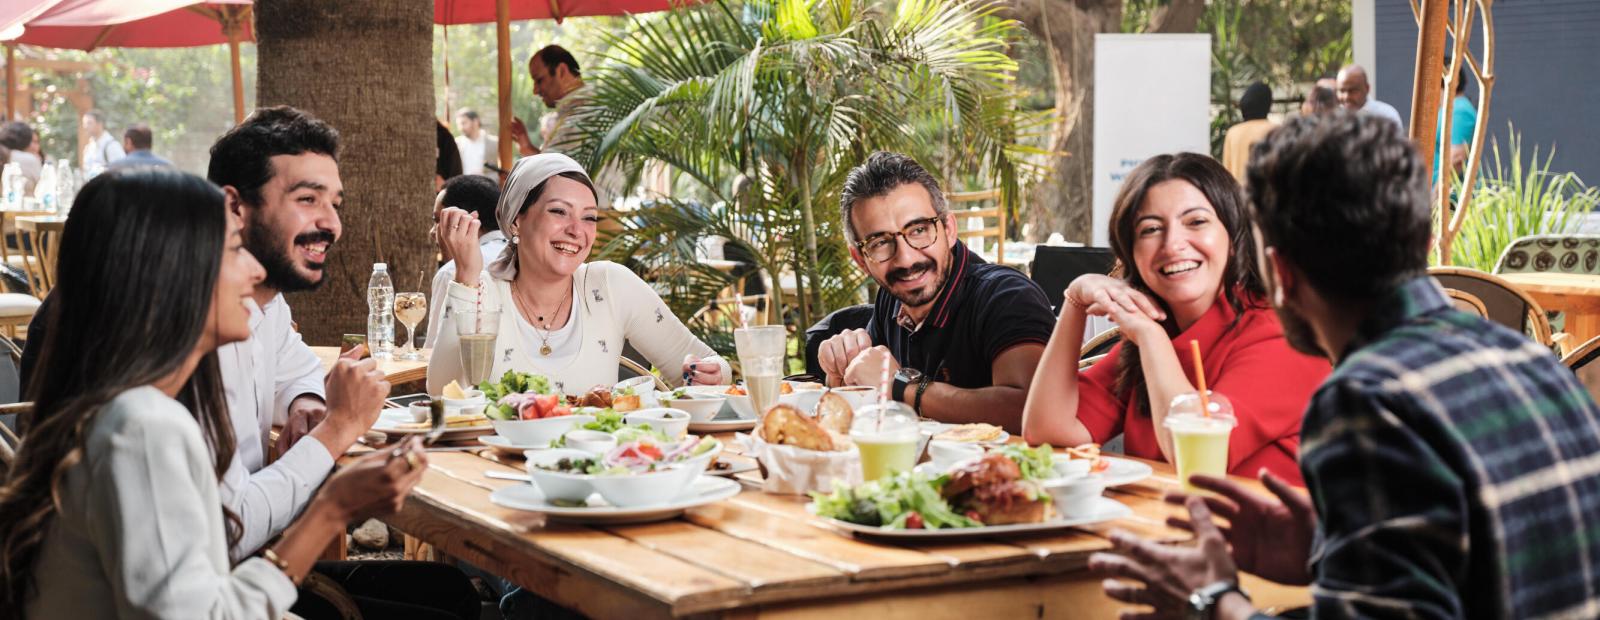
<point>66,185</point>
<point>11,183</point>
<point>46,191</point>
<point>380,312</point>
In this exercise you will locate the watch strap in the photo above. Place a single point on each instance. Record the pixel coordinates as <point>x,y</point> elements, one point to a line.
<point>897,389</point>
<point>922,386</point>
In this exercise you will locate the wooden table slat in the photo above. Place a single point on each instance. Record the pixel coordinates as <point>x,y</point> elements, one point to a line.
<point>756,565</point>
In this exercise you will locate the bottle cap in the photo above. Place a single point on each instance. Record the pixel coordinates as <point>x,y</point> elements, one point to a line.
<point>380,267</point>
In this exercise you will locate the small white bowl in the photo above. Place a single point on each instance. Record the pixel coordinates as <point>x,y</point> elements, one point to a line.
<point>701,407</point>
<point>947,453</point>
<point>538,432</point>
<point>674,423</point>
<point>657,487</point>
<point>474,399</point>
<point>1074,495</point>
<point>644,386</point>
<point>420,412</point>
<point>593,442</point>
<point>558,485</point>
<point>1065,466</point>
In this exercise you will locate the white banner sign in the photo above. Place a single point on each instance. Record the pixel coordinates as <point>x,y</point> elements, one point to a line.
<point>1152,95</point>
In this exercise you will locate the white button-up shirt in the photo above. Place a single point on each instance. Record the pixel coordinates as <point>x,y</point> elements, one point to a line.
<point>261,376</point>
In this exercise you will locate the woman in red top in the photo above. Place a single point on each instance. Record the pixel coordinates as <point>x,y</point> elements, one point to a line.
<point>1179,221</point>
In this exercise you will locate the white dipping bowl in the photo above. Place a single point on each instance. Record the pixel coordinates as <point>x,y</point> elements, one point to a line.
<point>595,443</point>
<point>947,453</point>
<point>857,395</point>
<point>420,412</point>
<point>657,487</point>
<point>538,432</point>
<point>1074,495</point>
<point>1065,466</point>
<point>474,399</point>
<point>701,408</point>
<point>674,423</point>
<point>558,485</point>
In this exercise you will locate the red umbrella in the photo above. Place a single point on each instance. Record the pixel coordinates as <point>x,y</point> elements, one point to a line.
<point>451,12</point>
<point>91,24</point>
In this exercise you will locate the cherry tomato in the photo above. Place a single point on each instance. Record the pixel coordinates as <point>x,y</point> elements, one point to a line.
<point>914,521</point>
<point>529,411</point>
<point>973,514</point>
<point>560,410</point>
<point>545,403</point>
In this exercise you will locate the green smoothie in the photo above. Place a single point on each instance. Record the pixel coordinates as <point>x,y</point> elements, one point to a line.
<point>1199,442</point>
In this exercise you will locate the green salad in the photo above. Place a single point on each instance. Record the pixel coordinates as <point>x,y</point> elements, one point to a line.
<point>891,502</point>
<point>512,382</point>
<point>1034,462</point>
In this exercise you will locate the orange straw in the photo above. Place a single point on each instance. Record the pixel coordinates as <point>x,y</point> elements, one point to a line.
<point>1200,377</point>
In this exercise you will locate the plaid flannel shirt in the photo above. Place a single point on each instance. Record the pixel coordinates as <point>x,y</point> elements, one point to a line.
<point>1455,466</point>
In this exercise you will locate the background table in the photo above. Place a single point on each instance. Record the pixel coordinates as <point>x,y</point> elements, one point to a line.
<point>1577,295</point>
<point>759,555</point>
<point>394,371</point>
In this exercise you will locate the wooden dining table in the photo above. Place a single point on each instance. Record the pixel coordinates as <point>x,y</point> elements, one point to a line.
<point>1577,295</point>
<point>759,555</point>
<point>394,371</point>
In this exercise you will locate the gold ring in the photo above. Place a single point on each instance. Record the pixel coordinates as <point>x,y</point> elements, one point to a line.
<point>411,461</point>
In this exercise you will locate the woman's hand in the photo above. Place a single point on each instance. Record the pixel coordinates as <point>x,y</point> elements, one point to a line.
<point>376,484</point>
<point>458,239</point>
<point>1136,314</point>
<point>701,372</point>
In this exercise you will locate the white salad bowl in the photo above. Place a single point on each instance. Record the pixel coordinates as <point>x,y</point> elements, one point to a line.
<point>701,406</point>
<point>555,485</point>
<point>657,487</point>
<point>538,432</point>
<point>644,386</point>
<point>674,423</point>
<point>701,461</point>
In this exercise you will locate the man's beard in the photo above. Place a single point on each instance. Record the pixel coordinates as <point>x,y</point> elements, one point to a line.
<point>277,262</point>
<point>926,294</point>
<point>1298,332</point>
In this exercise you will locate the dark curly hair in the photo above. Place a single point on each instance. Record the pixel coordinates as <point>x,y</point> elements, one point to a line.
<point>242,157</point>
<point>1242,285</point>
<point>1323,186</point>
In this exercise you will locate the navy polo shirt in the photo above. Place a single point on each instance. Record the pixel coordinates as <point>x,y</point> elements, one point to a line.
<point>981,311</point>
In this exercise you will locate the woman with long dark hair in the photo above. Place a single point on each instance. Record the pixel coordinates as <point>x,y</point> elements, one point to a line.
<point>1186,257</point>
<point>112,508</point>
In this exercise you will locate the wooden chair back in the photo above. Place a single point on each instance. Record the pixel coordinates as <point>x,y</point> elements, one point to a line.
<point>1098,347</point>
<point>41,235</point>
<point>1503,302</point>
<point>1467,302</point>
<point>1582,363</point>
<point>965,207</point>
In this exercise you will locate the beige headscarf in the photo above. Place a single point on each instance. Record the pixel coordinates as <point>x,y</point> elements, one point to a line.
<point>527,174</point>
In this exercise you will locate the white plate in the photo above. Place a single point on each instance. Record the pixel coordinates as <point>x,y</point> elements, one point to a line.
<point>725,422</point>
<point>735,466</point>
<point>704,490</point>
<point>1118,473</point>
<point>1105,509</point>
<point>390,419</point>
<point>501,444</point>
<point>934,428</point>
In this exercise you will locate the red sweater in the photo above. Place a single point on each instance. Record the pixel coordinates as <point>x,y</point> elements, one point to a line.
<point>1268,383</point>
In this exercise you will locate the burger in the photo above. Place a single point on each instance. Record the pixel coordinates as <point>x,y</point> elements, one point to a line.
<point>991,490</point>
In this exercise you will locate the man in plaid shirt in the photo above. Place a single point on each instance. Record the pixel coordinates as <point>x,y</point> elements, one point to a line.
<point>1453,464</point>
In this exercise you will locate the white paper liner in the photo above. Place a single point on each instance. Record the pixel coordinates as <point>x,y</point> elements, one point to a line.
<point>796,471</point>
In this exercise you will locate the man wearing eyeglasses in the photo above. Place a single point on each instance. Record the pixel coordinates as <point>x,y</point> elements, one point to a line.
<point>961,336</point>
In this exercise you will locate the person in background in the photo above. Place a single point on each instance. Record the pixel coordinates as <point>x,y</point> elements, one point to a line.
<point>102,149</point>
<point>475,144</point>
<point>1253,106</point>
<point>447,165</point>
<point>556,77</point>
<point>137,140</point>
<point>477,195</point>
<point>1451,462</point>
<point>23,142</point>
<point>960,336</point>
<point>1355,94</point>
<point>1463,122</point>
<point>112,508</point>
<point>1180,230</point>
<point>1321,100</point>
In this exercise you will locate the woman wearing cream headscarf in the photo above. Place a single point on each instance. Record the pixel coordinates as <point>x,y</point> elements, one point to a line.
<point>559,316</point>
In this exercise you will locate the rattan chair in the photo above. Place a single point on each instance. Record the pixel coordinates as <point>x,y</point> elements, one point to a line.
<point>1582,363</point>
<point>1503,302</point>
<point>1467,302</point>
<point>1098,347</point>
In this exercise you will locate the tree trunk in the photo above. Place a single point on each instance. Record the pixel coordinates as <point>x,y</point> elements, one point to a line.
<point>365,67</point>
<point>1177,16</point>
<point>1061,201</point>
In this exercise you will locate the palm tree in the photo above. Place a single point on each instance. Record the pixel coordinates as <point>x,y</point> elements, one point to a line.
<point>761,108</point>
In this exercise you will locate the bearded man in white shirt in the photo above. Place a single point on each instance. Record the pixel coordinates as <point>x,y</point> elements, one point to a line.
<point>477,147</point>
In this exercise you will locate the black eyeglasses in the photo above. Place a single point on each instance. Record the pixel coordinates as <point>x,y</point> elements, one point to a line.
<point>883,246</point>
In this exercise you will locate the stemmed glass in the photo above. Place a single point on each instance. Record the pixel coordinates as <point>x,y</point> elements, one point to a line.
<point>410,308</point>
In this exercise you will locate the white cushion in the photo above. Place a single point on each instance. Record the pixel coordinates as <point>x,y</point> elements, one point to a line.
<point>18,305</point>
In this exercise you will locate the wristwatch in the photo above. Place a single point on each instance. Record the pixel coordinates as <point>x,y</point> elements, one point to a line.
<point>902,378</point>
<point>1203,601</point>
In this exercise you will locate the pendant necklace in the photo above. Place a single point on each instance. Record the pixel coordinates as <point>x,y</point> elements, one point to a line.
<point>527,308</point>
